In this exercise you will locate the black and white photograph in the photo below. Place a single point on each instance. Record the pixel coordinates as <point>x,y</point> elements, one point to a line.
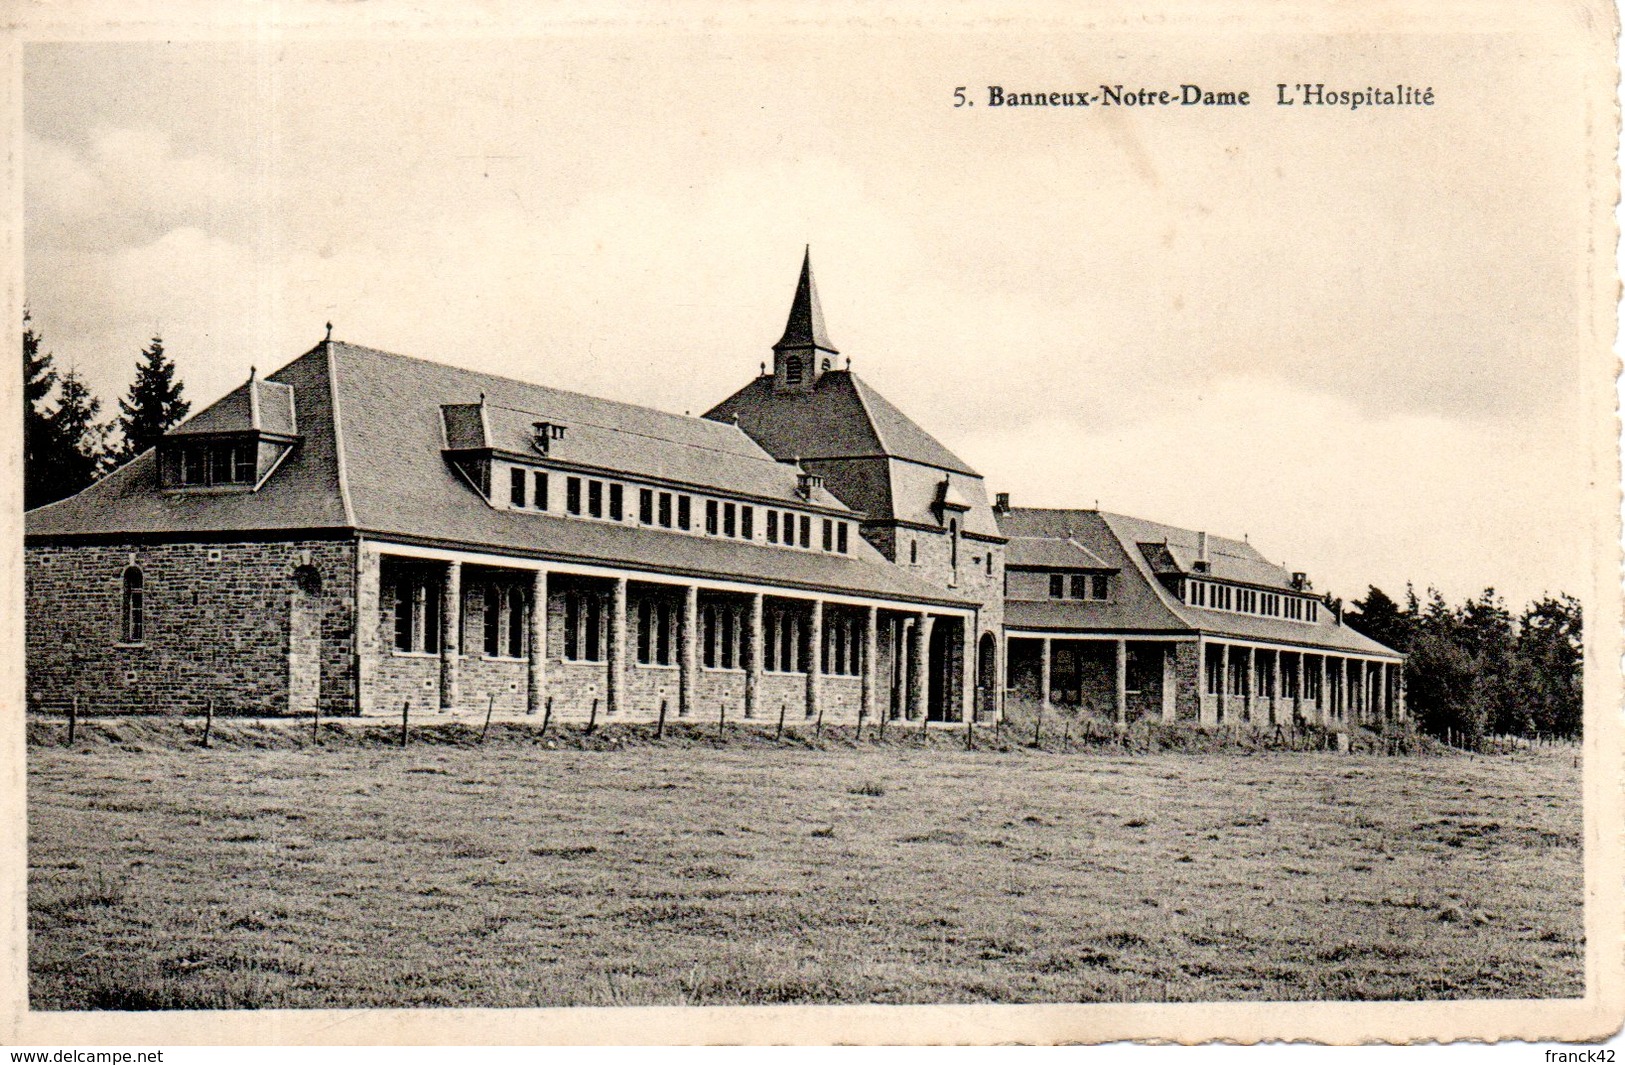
<point>726,513</point>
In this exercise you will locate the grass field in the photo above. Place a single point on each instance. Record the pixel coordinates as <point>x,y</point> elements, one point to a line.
<point>163,876</point>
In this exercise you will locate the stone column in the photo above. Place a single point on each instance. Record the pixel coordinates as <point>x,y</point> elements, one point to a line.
<point>1224,681</point>
<point>1170,674</point>
<point>1121,690</point>
<point>688,652</point>
<point>1297,693</point>
<point>753,656</point>
<point>536,657</point>
<point>1275,683</point>
<point>1321,714</point>
<point>451,641</point>
<point>366,619</point>
<point>615,682</point>
<point>1043,676</point>
<point>815,656</point>
<point>922,666</point>
<point>1201,676</point>
<point>1248,682</point>
<point>866,669</point>
<point>1365,693</point>
<point>1402,711</point>
<point>968,670</point>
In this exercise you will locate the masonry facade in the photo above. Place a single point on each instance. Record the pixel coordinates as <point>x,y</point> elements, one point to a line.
<point>362,532</point>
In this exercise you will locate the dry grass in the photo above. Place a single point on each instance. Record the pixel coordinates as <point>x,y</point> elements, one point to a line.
<point>173,877</point>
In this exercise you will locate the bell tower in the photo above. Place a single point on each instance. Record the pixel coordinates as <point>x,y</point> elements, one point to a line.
<point>804,352</point>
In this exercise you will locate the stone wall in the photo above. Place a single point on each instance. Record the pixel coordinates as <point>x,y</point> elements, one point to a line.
<point>215,626</point>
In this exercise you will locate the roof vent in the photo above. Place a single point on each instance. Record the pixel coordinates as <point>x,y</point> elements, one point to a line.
<point>544,433</point>
<point>806,483</point>
<point>1300,580</point>
<point>1001,503</point>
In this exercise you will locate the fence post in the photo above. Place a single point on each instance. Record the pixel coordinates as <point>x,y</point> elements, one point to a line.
<point>490,704</point>
<point>722,718</point>
<point>316,723</point>
<point>73,718</point>
<point>660,725</point>
<point>818,726</point>
<point>860,724</point>
<point>406,708</point>
<point>547,714</point>
<point>884,714</point>
<point>208,719</point>
<point>592,715</point>
<point>970,732</point>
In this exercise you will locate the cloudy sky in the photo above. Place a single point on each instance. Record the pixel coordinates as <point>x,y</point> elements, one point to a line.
<point>1354,336</point>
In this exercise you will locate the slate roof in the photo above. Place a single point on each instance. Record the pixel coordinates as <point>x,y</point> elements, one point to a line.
<point>371,460</point>
<point>257,404</point>
<point>1042,552</point>
<point>1142,604</point>
<point>840,416</point>
<point>805,326</point>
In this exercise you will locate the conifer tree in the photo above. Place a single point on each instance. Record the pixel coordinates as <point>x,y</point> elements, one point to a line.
<point>39,444</point>
<point>82,438</point>
<point>154,404</point>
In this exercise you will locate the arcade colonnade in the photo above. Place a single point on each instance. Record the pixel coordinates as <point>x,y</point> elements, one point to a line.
<point>446,630</point>
<point>1203,680</point>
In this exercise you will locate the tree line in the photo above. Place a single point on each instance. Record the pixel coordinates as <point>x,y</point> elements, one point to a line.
<point>66,443</point>
<point>1477,670</point>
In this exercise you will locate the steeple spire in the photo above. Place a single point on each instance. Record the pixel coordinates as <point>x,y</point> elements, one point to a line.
<point>805,327</point>
<point>804,352</point>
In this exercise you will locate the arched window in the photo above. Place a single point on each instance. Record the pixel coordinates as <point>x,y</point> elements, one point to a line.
<point>133,623</point>
<point>792,370</point>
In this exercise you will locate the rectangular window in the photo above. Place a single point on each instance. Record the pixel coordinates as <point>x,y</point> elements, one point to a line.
<point>840,538</point>
<point>492,621</point>
<point>711,516</point>
<point>829,535</point>
<point>516,486</point>
<point>1057,586</point>
<point>747,522</point>
<point>572,495</point>
<point>615,502</point>
<point>242,459</point>
<point>683,514</point>
<point>806,531</point>
<point>646,506</point>
<point>1080,583</point>
<point>789,529</point>
<point>772,526</point>
<point>1101,585</point>
<point>645,622</point>
<point>728,515</point>
<point>595,499</point>
<point>665,510</point>
<point>708,637</point>
<point>663,633</point>
<point>539,498</point>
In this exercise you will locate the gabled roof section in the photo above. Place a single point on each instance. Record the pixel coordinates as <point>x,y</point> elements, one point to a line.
<point>1041,552</point>
<point>805,326</point>
<point>1142,603</point>
<point>257,405</point>
<point>840,416</point>
<point>305,493</point>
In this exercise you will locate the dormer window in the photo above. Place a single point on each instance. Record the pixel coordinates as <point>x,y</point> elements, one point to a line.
<point>204,465</point>
<point>544,433</point>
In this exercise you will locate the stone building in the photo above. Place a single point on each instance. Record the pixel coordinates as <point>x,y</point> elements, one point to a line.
<point>360,531</point>
<point>1118,618</point>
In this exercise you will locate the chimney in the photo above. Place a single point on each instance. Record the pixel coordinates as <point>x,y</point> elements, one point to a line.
<point>1001,503</point>
<point>1300,580</point>
<point>1201,564</point>
<point>806,483</point>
